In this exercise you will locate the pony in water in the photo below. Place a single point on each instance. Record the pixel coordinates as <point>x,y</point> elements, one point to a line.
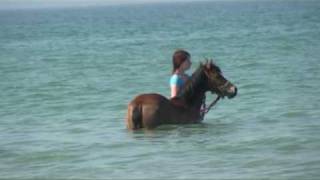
<point>151,110</point>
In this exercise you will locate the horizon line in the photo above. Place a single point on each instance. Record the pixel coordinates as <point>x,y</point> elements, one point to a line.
<point>18,5</point>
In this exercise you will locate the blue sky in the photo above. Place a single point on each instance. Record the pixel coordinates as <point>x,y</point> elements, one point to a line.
<point>62,3</point>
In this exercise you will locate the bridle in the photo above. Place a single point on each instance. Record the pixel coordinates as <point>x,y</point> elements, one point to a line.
<point>206,109</point>
<point>226,84</point>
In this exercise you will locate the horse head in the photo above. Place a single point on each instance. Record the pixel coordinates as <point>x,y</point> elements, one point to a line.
<point>216,82</point>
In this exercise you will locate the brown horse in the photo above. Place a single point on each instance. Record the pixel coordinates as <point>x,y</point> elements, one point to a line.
<point>151,110</point>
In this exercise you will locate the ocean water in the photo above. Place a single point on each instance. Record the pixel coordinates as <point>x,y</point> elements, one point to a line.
<point>67,75</point>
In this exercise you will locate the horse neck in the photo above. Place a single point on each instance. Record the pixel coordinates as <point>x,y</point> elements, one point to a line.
<point>194,91</point>
<point>195,97</point>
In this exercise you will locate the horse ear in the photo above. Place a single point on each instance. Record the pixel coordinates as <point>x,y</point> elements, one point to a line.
<point>208,64</point>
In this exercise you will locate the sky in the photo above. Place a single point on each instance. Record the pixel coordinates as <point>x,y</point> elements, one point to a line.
<point>4,4</point>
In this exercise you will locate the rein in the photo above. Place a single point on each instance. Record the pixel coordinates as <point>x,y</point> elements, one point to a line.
<point>206,109</point>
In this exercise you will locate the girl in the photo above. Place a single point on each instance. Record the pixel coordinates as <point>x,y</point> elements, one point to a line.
<point>181,61</point>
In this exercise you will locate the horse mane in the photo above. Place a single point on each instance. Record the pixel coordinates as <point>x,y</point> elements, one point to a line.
<point>190,88</point>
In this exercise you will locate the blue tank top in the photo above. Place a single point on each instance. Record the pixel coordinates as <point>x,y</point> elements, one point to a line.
<point>176,80</point>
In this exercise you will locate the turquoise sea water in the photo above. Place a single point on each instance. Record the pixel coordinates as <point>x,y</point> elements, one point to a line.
<point>67,75</point>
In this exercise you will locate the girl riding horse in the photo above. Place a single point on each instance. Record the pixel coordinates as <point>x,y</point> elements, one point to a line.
<point>151,110</point>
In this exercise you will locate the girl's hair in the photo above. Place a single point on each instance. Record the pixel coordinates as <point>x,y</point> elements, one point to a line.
<point>179,56</point>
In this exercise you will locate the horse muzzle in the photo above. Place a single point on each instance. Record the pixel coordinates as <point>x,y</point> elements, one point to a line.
<point>228,89</point>
<point>232,92</point>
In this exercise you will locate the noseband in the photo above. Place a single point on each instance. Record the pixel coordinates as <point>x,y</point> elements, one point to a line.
<point>226,84</point>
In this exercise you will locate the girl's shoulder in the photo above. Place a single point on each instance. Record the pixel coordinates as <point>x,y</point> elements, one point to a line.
<point>176,80</point>
<point>175,76</point>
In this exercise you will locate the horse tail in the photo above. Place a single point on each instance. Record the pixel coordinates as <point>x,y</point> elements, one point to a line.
<point>134,116</point>
<point>137,117</point>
